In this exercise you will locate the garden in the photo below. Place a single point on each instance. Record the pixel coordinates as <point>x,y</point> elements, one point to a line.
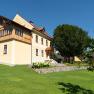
<point>23,80</point>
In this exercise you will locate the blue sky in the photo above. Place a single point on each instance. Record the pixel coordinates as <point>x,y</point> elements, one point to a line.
<point>50,13</point>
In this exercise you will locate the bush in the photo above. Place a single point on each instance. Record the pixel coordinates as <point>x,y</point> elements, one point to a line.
<point>40,65</point>
<point>91,68</point>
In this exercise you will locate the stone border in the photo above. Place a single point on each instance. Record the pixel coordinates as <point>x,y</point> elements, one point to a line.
<point>59,69</point>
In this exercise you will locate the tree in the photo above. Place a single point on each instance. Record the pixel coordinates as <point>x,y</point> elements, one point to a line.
<point>89,54</point>
<point>70,40</point>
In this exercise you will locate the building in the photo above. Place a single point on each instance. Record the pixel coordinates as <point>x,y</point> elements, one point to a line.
<point>22,43</point>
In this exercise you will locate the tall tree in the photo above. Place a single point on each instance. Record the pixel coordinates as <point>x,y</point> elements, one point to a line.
<point>70,40</point>
<point>89,53</point>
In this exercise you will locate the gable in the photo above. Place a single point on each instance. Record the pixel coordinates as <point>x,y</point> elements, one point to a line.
<point>18,19</point>
<point>39,30</point>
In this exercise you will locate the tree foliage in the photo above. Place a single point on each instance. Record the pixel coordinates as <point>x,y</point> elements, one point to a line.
<point>89,54</point>
<point>70,40</point>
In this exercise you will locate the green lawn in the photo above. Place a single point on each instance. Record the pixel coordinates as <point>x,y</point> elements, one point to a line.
<point>23,80</point>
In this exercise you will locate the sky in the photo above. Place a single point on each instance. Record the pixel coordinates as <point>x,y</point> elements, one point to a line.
<point>51,13</point>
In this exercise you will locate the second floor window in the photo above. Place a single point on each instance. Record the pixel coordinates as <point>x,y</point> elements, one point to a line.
<point>5,32</point>
<point>42,41</point>
<point>46,42</point>
<point>19,32</point>
<point>36,52</point>
<point>36,38</point>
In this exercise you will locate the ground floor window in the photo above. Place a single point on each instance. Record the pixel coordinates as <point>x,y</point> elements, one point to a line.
<point>36,52</point>
<point>5,49</point>
<point>42,53</point>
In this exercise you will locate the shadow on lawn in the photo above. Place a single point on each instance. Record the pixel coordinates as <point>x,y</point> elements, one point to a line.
<point>69,88</point>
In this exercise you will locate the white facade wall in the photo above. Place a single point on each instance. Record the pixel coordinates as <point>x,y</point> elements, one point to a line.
<point>6,58</point>
<point>18,53</point>
<point>22,53</point>
<point>40,47</point>
<point>35,45</point>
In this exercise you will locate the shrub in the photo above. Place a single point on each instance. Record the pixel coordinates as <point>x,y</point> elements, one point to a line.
<point>90,68</point>
<point>40,65</point>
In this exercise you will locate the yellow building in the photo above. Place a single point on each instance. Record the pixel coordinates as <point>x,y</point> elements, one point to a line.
<point>22,42</point>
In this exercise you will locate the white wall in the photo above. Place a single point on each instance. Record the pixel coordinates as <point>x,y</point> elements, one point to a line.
<point>22,53</point>
<point>6,58</point>
<point>18,53</point>
<point>35,45</point>
<point>40,47</point>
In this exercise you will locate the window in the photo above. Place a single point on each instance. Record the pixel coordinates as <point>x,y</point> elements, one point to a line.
<point>36,52</point>
<point>5,49</point>
<point>46,42</point>
<point>19,32</point>
<point>0,33</point>
<point>36,39</point>
<point>7,31</point>
<point>42,53</point>
<point>42,41</point>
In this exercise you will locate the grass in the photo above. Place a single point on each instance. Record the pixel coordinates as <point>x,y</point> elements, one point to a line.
<point>77,64</point>
<point>23,80</point>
